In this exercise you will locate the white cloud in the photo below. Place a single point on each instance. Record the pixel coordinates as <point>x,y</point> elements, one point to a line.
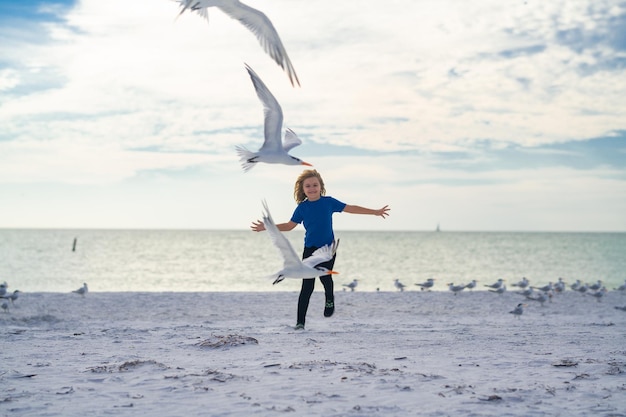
<point>8,79</point>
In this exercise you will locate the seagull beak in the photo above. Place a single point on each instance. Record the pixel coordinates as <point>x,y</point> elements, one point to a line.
<point>305,163</point>
<point>331,272</point>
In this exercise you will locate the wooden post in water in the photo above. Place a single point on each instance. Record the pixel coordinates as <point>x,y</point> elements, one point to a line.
<point>74,245</point>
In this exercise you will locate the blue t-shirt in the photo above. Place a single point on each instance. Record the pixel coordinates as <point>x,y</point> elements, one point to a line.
<point>317,218</point>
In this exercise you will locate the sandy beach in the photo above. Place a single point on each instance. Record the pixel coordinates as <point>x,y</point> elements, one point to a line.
<point>381,354</point>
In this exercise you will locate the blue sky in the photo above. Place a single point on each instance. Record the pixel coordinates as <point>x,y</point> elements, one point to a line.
<point>487,116</point>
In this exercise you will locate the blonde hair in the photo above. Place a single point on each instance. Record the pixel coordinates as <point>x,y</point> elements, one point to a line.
<point>298,189</point>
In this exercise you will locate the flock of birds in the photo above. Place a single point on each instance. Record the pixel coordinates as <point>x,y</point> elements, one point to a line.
<point>295,268</point>
<point>530,292</point>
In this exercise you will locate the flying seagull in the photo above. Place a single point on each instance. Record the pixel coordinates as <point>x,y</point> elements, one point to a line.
<point>256,21</point>
<point>293,267</point>
<point>272,151</point>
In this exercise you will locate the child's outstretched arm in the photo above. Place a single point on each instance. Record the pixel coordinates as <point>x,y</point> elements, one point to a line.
<point>258,226</point>
<point>382,212</point>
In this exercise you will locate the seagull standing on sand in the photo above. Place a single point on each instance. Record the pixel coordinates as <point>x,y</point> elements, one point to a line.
<point>272,151</point>
<point>596,286</point>
<point>495,285</point>
<point>600,293</point>
<point>499,290</point>
<point>82,290</point>
<point>621,287</point>
<point>518,310</point>
<point>3,288</point>
<point>471,285</point>
<point>545,288</point>
<point>523,283</point>
<point>293,266</point>
<point>527,292</point>
<point>575,286</point>
<point>13,296</point>
<point>455,288</point>
<point>542,297</point>
<point>559,286</point>
<point>256,21</point>
<point>352,285</point>
<point>427,285</point>
<point>399,285</point>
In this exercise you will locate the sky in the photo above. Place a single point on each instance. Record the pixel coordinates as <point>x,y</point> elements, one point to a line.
<point>477,116</point>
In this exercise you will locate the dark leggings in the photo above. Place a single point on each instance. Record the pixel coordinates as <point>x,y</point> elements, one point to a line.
<point>308,284</point>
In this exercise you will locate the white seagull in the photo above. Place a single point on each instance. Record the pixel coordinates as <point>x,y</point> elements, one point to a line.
<point>596,286</point>
<point>495,285</point>
<point>518,310</point>
<point>399,285</point>
<point>352,285</point>
<point>523,283</point>
<point>583,288</point>
<point>600,293</point>
<point>82,290</point>
<point>499,290</point>
<point>428,284</point>
<point>471,285</point>
<point>559,286</point>
<point>256,21</point>
<point>293,267</point>
<point>456,288</point>
<point>12,297</point>
<point>542,297</point>
<point>272,151</point>
<point>545,288</point>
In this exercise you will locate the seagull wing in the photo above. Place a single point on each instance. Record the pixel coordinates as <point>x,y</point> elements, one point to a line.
<point>321,255</point>
<point>291,140</point>
<point>290,258</point>
<point>259,24</point>
<point>272,111</point>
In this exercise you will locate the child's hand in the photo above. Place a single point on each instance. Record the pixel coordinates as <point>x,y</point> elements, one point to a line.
<point>383,212</point>
<point>257,226</point>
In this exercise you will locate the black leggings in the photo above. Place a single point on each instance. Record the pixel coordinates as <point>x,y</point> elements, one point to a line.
<point>308,284</point>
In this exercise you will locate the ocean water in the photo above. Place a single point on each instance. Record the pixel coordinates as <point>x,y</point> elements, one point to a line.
<point>216,260</point>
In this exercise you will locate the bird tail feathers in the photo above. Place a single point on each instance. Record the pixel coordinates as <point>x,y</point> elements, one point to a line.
<point>245,157</point>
